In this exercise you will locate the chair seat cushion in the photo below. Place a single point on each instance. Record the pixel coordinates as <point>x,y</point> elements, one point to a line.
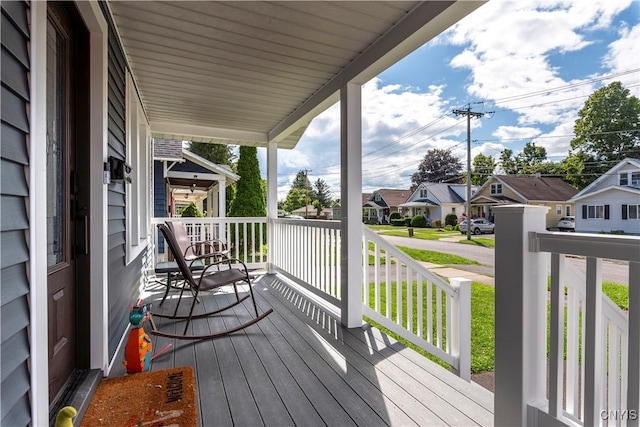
<point>221,278</point>
<point>172,267</point>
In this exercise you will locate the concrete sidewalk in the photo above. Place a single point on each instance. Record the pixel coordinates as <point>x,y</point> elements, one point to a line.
<point>449,272</point>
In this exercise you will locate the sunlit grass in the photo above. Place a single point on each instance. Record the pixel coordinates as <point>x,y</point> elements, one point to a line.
<point>480,241</point>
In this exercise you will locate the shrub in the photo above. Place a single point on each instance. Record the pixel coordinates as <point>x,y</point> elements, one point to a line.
<point>398,222</point>
<point>451,219</point>
<point>448,227</point>
<point>437,223</point>
<point>407,222</point>
<point>394,215</point>
<point>419,221</point>
<point>191,210</point>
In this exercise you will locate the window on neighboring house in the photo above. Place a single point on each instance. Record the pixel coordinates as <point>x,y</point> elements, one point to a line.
<point>635,179</point>
<point>630,211</point>
<point>496,188</point>
<point>558,209</point>
<point>595,211</point>
<point>377,198</point>
<point>424,193</point>
<point>568,210</point>
<point>624,178</point>
<point>453,210</point>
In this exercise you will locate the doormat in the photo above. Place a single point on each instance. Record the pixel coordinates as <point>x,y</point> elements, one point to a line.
<point>152,399</point>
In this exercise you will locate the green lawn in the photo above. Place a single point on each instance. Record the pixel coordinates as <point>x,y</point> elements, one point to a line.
<point>436,257</point>
<point>480,241</point>
<point>418,233</point>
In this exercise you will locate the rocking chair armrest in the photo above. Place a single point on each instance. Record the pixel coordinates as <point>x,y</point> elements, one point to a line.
<point>227,261</point>
<point>209,243</point>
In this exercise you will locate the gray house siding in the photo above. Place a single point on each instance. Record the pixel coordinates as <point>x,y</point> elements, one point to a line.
<point>14,223</point>
<point>160,204</point>
<point>124,279</point>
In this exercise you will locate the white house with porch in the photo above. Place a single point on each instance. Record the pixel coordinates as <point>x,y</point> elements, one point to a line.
<point>435,200</point>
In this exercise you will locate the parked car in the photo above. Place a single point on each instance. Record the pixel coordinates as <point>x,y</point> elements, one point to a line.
<point>567,223</point>
<point>294,217</point>
<point>478,226</point>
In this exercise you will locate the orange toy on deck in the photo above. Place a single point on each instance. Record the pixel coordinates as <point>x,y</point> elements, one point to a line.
<point>138,350</point>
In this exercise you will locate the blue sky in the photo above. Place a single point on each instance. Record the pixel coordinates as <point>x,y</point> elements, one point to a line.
<point>533,63</point>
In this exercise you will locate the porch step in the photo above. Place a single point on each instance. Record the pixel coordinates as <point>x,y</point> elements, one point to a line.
<point>78,393</point>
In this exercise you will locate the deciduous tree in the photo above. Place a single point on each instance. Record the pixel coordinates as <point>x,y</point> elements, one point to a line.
<point>607,130</point>
<point>438,165</point>
<point>483,167</point>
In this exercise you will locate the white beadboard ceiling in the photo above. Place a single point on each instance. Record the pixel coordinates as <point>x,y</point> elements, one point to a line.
<point>249,72</point>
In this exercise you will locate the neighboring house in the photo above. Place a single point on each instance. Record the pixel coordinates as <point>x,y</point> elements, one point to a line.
<point>310,212</point>
<point>182,177</point>
<point>381,203</point>
<point>611,202</point>
<point>436,200</point>
<point>502,190</point>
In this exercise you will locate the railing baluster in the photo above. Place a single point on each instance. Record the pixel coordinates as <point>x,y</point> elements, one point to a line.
<point>429,312</point>
<point>633,354</point>
<point>557,335</point>
<point>439,317</point>
<point>419,306</point>
<point>593,347</point>
<point>571,388</point>
<point>409,299</point>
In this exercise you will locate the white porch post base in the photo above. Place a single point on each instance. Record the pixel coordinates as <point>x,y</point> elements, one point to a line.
<point>351,200</point>
<point>520,352</point>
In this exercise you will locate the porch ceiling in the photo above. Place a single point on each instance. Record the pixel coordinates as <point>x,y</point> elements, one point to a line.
<point>249,72</point>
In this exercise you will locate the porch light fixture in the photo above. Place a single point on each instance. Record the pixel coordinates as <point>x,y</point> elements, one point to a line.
<point>193,186</point>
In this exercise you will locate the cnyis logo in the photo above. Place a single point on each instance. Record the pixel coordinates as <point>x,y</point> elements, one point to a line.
<point>619,415</point>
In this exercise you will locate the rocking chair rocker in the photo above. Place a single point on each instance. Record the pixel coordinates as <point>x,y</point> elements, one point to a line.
<point>217,274</point>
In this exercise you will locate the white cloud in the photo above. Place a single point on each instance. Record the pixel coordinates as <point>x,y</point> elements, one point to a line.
<point>623,56</point>
<point>515,132</point>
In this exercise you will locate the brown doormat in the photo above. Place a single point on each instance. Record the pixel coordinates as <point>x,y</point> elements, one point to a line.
<point>151,399</point>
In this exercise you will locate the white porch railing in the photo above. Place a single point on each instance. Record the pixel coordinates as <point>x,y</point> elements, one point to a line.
<point>421,307</point>
<point>594,347</point>
<point>244,236</point>
<point>428,312</point>
<point>309,252</point>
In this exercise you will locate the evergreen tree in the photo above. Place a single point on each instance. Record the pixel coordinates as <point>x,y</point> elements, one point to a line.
<point>301,192</point>
<point>249,199</point>
<point>322,193</point>
<point>218,154</point>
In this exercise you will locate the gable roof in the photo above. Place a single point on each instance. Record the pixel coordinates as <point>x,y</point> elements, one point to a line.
<point>589,188</point>
<point>391,197</point>
<point>534,188</point>
<point>167,149</point>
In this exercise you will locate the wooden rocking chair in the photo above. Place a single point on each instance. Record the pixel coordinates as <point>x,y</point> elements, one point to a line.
<point>219,273</point>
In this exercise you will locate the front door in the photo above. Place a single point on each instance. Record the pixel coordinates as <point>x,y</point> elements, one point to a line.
<point>65,79</point>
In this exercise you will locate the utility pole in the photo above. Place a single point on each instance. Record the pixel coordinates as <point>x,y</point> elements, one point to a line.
<point>469,114</point>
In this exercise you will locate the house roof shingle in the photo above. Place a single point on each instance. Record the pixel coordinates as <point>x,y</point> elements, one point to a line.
<point>393,197</point>
<point>539,188</point>
<point>167,149</point>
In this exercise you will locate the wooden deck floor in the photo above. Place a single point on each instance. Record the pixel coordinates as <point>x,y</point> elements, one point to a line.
<point>298,366</point>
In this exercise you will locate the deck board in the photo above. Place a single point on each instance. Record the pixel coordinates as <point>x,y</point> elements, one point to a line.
<point>299,366</point>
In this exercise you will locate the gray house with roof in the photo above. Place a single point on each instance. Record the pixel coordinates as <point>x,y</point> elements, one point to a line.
<point>435,200</point>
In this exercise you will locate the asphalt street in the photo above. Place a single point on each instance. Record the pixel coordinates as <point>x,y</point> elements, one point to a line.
<point>614,271</point>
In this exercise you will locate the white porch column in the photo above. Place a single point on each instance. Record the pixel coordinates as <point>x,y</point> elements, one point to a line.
<point>222,198</point>
<point>272,200</point>
<point>351,200</point>
<point>521,310</point>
